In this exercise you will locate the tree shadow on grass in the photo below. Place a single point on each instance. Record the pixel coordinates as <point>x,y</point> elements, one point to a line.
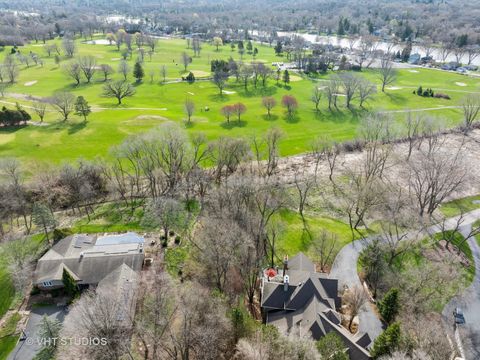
<point>396,98</point>
<point>234,124</point>
<point>189,124</point>
<point>292,119</point>
<point>258,92</point>
<point>76,127</point>
<point>272,117</point>
<point>218,98</point>
<point>12,129</point>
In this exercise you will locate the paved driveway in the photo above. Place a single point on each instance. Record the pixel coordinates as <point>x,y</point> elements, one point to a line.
<point>344,269</point>
<point>27,349</point>
<point>469,301</point>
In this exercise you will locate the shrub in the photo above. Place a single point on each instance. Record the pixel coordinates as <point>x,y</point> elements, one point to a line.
<point>59,234</point>
<point>441,96</point>
<point>177,239</point>
<point>389,305</point>
<point>190,77</point>
<point>387,342</point>
<point>171,233</point>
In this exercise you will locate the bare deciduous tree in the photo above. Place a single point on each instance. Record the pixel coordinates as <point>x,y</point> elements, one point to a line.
<point>354,298</point>
<point>119,90</point>
<point>64,103</point>
<point>471,108</point>
<point>189,108</point>
<point>88,65</point>
<point>366,90</point>
<point>40,108</point>
<point>69,46</point>
<point>386,73</point>
<point>324,245</point>
<point>73,70</point>
<point>316,96</point>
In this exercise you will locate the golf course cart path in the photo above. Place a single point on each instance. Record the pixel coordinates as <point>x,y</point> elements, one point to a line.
<point>344,269</point>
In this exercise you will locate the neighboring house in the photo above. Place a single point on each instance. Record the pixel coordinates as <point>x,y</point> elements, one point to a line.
<point>89,259</point>
<point>414,59</point>
<point>299,298</point>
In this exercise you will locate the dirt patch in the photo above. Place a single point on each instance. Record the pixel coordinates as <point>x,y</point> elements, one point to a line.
<point>37,123</point>
<point>151,117</point>
<point>460,84</point>
<point>30,83</point>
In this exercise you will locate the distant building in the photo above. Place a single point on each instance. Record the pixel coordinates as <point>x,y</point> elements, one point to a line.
<point>299,297</point>
<point>414,59</point>
<point>89,259</point>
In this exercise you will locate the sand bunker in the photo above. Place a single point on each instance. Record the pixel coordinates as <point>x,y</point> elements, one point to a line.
<point>200,73</point>
<point>294,78</point>
<point>460,84</point>
<point>98,42</point>
<point>115,59</point>
<point>190,93</point>
<point>394,88</point>
<point>30,83</point>
<point>413,71</point>
<point>228,92</point>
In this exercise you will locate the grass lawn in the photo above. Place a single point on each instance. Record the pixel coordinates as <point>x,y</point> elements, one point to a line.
<point>7,290</point>
<point>458,241</point>
<point>110,217</point>
<point>155,103</point>
<point>8,339</point>
<point>456,207</point>
<point>292,239</point>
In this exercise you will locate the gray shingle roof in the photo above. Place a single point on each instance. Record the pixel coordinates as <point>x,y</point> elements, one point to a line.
<point>310,303</point>
<point>87,262</point>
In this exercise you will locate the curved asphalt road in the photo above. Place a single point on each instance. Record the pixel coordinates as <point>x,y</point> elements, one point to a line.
<point>469,302</point>
<point>344,269</point>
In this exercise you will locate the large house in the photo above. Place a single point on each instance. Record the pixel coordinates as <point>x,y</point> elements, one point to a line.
<point>298,298</point>
<point>90,259</point>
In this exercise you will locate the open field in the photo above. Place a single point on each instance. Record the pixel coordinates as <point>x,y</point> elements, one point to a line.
<point>155,103</point>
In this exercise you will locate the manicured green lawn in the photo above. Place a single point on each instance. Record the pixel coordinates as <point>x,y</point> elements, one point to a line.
<point>456,207</point>
<point>8,339</point>
<point>7,290</point>
<point>292,239</point>
<point>155,103</point>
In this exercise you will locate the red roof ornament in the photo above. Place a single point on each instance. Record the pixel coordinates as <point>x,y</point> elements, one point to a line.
<point>271,273</point>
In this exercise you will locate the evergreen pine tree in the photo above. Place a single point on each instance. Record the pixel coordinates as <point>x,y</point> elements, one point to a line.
<point>286,77</point>
<point>387,342</point>
<point>82,108</point>
<point>43,217</point>
<point>389,305</point>
<point>138,72</point>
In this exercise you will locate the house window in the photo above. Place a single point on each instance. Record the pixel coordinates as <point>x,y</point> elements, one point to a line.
<point>47,283</point>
